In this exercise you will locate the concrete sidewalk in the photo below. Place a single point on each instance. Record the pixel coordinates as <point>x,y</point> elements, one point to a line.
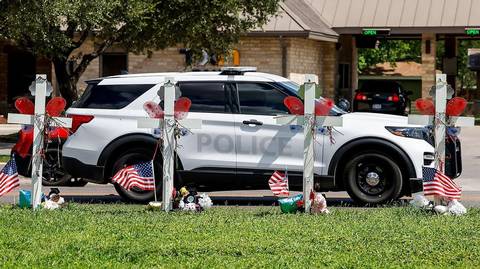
<point>470,178</point>
<point>6,129</point>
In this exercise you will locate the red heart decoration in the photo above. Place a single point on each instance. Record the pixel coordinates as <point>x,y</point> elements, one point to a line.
<point>425,106</point>
<point>323,106</point>
<point>456,106</point>
<point>181,108</point>
<point>294,105</point>
<point>25,106</point>
<point>25,140</point>
<point>58,132</point>
<point>55,106</point>
<point>153,110</point>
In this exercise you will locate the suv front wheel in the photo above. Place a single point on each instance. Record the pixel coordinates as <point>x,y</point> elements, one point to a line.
<point>372,178</point>
<point>134,156</point>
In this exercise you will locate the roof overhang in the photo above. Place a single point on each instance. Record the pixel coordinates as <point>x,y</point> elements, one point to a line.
<point>408,31</point>
<point>303,34</point>
<point>296,18</point>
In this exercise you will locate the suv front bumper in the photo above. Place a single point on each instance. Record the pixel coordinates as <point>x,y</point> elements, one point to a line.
<point>416,185</point>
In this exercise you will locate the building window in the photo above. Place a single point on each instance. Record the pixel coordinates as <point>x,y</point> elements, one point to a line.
<point>344,76</point>
<point>114,64</point>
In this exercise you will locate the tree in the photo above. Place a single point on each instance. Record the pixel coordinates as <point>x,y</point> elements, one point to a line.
<point>389,51</point>
<point>466,78</point>
<point>57,29</point>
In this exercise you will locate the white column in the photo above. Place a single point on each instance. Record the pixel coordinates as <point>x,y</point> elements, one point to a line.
<point>38,136</point>
<point>440,96</point>
<point>308,148</point>
<point>168,144</point>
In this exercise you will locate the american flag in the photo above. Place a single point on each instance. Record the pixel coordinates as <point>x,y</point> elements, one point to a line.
<point>436,183</point>
<point>9,177</point>
<point>278,183</point>
<point>138,175</point>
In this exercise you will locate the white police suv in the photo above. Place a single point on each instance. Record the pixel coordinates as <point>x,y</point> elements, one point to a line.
<point>375,157</point>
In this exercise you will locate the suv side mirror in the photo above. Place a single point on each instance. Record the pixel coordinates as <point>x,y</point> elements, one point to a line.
<point>344,104</point>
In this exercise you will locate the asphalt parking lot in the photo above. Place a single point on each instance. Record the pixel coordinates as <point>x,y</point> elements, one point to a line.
<point>469,181</point>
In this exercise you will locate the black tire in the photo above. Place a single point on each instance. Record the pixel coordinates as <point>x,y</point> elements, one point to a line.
<point>53,172</point>
<point>134,156</point>
<point>372,178</point>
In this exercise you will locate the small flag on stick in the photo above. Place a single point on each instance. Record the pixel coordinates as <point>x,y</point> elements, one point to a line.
<point>437,183</point>
<point>138,175</point>
<point>279,183</point>
<point>9,177</point>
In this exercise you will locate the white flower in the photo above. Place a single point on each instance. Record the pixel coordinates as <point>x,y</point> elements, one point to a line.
<point>204,201</point>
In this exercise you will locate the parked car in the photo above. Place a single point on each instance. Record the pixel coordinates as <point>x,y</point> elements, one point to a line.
<point>382,96</point>
<point>53,172</point>
<point>375,157</point>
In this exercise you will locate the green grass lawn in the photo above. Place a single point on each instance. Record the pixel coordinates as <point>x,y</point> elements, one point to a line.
<point>128,236</point>
<point>4,158</point>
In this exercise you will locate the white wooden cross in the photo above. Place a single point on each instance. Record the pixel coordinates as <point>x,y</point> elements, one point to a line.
<point>440,121</point>
<point>168,135</point>
<point>310,122</point>
<point>39,90</point>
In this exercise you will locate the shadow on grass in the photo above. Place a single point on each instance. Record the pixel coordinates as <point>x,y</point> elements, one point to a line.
<point>232,201</point>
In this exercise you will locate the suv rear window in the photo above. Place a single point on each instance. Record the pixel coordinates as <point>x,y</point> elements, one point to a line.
<point>110,96</point>
<point>261,99</point>
<point>380,86</point>
<point>206,97</point>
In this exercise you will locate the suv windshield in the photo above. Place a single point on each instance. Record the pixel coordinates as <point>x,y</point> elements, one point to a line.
<point>294,87</point>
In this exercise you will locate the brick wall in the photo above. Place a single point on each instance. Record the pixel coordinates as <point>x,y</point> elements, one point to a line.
<point>329,69</point>
<point>428,63</point>
<point>307,56</point>
<point>263,52</point>
<point>303,56</point>
<point>166,60</point>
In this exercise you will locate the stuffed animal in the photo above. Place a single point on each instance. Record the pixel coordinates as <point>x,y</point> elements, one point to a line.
<point>54,200</point>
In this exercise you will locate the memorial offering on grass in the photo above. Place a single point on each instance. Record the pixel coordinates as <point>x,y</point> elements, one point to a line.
<point>311,114</point>
<point>168,120</point>
<point>42,119</point>
<point>443,118</point>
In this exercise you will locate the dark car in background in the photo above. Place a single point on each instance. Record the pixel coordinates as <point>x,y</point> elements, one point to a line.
<point>382,97</point>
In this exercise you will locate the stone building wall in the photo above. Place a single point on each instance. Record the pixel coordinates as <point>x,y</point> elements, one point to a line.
<point>428,62</point>
<point>307,56</point>
<point>265,53</point>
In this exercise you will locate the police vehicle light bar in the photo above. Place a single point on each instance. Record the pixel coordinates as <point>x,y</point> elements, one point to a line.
<point>237,70</point>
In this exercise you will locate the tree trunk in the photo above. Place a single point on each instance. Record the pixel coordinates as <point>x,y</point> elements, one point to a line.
<point>67,83</point>
<point>67,76</point>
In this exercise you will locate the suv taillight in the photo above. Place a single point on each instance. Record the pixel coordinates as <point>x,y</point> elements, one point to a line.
<point>360,97</point>
<point>393,98</point>
<point>78,120</point>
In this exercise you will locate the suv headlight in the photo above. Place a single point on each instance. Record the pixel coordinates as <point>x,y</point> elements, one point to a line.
<point>412,132</point>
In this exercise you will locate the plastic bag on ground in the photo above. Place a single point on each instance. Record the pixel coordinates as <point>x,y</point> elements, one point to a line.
<point>319,205</point>
<point>456,208</point>
<point>291,204</point>
<point>420,201</point>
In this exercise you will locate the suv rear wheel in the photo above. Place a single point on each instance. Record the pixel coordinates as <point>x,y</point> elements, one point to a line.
<point>372,178</point>
<point>134,156</point>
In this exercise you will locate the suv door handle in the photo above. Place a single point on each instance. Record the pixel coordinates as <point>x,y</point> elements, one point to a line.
<point>254,122</point>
